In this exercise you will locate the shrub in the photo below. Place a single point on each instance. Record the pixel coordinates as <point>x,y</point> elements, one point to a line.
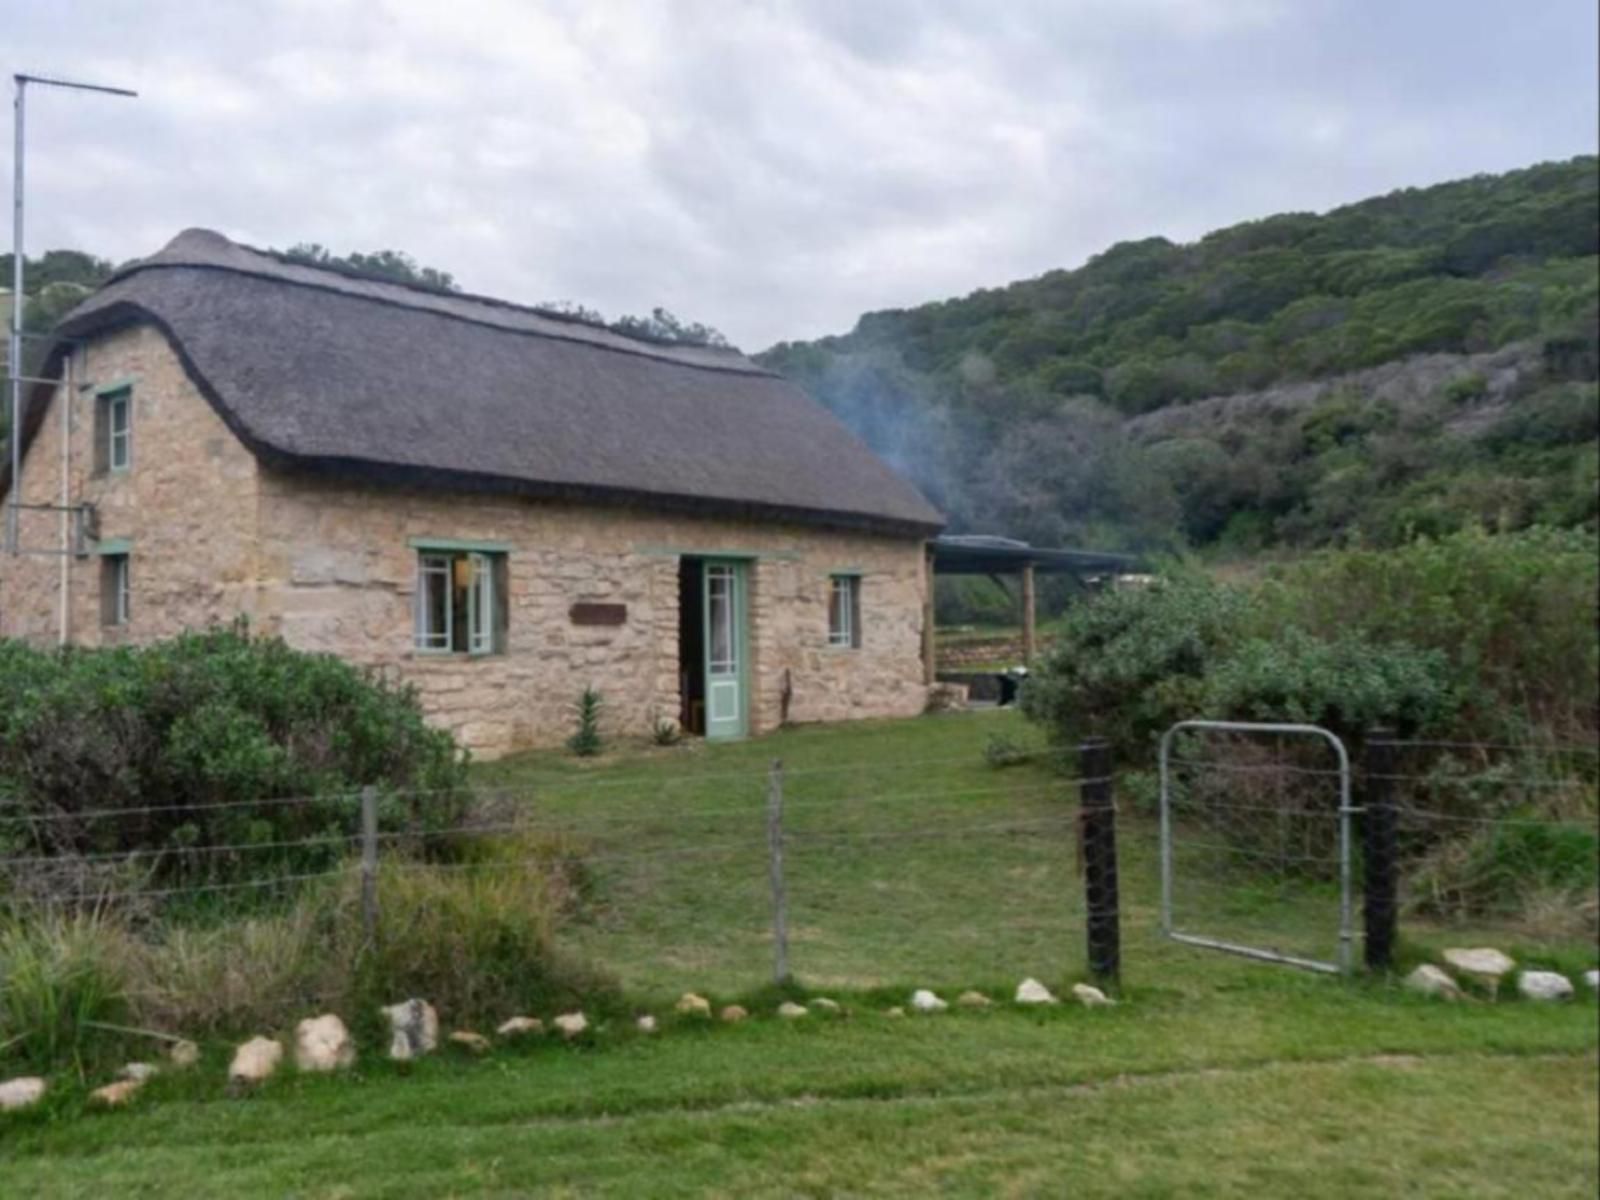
<point>1514,614</point>
<point>187,743</point>
<point>586,741</point>
<point>666,732</point>
<point>1346,684</point>
<point>1127,664</point>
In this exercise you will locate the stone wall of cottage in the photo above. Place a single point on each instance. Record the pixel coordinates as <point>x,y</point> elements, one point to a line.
<point>186,505</point>
<point>332,568</point>
<point>339,574</point>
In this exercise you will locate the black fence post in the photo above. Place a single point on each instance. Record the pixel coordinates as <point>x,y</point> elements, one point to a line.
<point>1097,832</point>
<point>1380,900</point>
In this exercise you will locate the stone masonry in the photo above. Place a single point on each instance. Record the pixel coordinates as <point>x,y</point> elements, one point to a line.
<point>214,535</point>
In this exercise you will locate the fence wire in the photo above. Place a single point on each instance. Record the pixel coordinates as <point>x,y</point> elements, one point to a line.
<point>893,870</point>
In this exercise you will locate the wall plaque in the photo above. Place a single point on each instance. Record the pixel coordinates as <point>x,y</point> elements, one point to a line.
<point>588,613</point>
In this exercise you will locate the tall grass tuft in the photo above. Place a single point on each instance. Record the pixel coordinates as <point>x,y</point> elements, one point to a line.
<point>61,977</point>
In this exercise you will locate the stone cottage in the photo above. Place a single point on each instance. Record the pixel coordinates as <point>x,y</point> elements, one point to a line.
<point>497,504</point>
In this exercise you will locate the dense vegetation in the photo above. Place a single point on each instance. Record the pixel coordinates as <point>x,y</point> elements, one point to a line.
<point>1082,406</point>
<point>1474,643</point>
<point>125,765</point>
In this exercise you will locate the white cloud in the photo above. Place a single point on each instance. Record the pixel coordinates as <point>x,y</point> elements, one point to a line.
<point>773,167</point>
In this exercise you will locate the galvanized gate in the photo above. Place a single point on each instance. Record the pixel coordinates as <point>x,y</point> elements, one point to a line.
<point>1344,958</point>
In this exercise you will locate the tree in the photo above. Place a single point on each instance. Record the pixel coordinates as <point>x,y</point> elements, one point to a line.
<point>394,265</point>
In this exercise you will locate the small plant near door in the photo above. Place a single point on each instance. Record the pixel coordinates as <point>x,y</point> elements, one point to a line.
<point>666,732</point>
<point>585,741</point>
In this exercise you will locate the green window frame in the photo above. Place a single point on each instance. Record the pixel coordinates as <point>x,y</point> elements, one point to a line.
<point>116,589</point>
<point>461,605</point>
<point>844,612</point>
<point>113,429</point>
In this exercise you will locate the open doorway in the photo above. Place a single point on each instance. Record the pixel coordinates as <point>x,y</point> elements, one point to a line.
<point>691,646</point>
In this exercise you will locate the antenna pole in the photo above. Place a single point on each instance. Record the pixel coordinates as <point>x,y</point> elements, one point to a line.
<point>14,360</point>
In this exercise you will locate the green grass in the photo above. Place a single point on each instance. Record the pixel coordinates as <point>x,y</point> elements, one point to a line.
<point>909,862</point>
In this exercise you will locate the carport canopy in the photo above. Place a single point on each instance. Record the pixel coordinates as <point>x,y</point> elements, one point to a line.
<point>986,554</point>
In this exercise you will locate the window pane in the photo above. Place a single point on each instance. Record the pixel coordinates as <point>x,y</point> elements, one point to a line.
<point>841,610</point>
<point>433,602</point>
<point>480,604</point>
<point>719,601</point>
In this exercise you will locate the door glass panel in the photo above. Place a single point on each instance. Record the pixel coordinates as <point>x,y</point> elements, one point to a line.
<point>722,656</point>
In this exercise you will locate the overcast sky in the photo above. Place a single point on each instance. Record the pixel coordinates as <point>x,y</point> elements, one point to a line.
<point>771,168</point>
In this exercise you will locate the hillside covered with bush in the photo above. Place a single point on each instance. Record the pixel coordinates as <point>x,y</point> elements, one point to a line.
<point>1417,362</point>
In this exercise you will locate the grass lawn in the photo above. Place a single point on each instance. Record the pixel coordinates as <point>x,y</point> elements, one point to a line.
<point>909,862</point>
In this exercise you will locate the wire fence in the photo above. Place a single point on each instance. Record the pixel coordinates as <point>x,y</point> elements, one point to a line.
<point>850,874</point>
<point>877,870</point>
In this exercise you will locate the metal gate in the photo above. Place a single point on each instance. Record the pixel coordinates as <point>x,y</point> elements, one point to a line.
<point>1344,958</point>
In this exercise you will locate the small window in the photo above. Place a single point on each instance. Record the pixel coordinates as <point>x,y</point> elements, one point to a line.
<point>461,603</point>
<point>115,589</point>
<point>844,611</point>
<point>113,431</point>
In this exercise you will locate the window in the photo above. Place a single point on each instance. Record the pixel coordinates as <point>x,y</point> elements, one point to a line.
<point>461,602</point>
<point>113,430</point>
<point>844,611</point>
<point>115,586</point>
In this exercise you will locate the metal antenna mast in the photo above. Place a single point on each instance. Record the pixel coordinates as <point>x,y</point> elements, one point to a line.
<point>14,361</point>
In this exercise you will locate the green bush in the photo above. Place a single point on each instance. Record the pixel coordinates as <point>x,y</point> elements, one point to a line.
<point>1514,614</point>
<point>188,743</point>
<point>1346,685</point>
<point>1127,664</point>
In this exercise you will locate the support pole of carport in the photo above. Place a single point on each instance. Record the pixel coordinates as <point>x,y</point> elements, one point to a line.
<point>1028,640</point>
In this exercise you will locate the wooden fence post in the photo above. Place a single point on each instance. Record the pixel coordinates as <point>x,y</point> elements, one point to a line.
<point>780,903</point>
<point>1097,817</point>
<point>369,863</point>
<point>1380,880</point>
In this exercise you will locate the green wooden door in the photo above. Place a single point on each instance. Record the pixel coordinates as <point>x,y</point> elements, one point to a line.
<point>726,642</point>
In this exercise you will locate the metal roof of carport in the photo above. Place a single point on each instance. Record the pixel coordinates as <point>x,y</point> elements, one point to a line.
<point>982,554</point>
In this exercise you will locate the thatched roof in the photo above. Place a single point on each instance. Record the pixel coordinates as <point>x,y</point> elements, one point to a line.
<point>319,371</point>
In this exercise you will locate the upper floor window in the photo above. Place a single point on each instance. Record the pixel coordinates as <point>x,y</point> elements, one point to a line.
<point>844,611</point>
<point>461,603</point>
<point>113,430</point>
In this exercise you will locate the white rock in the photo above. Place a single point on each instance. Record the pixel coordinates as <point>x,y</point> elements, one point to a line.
<point>1483,961</point>
<point>519,1026</point>
<point>1544,985</point>
<point>826,1005</point>
<point>972,1000</point>
<point>139,1072</point>
<point>470,1039</point>
<point>414,1028</point>
<point>571,1024</point>
<point>115,1095</point>
<point>647,1024</point>
<point>255,1060</point>
<point>1429,980</point>
<point>1031,991</point>
<point>925,1001</point>
<point>732,1014</point>
<point>323,1044</point>
<point>896,1011</point>
<point>184,1054</point>
<point>692,1005</point>
<point>1592,978</point>
<point>21,1092</point>
<point>1091,997</point>
<point>790,1011</point>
